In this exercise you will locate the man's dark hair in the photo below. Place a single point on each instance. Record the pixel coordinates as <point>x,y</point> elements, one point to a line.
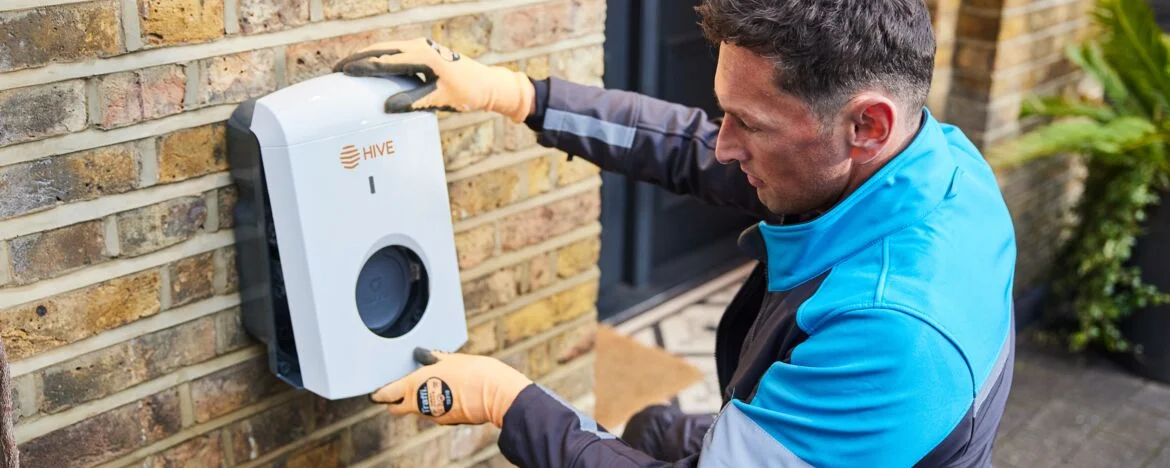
<point>827,50</point>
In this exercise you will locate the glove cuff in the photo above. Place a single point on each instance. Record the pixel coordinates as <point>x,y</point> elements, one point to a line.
<point>505,395</point>
<point>514,95</point>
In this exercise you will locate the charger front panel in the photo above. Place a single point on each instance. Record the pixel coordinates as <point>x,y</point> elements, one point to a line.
<point>347,197</point>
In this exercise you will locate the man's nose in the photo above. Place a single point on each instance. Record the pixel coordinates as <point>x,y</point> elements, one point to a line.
<point>727,146</point>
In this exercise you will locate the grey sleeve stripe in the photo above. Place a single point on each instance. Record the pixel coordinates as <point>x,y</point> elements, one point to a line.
<point>735,441</point>
<point>585,423</point>
<point>1000,366</point>
<point>589,127</point>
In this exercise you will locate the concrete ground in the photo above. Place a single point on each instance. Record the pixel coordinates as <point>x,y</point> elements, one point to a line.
<point>1064,409</point>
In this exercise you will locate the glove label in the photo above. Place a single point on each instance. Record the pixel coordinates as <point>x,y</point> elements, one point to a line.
<point>434,397</point>
<point>445,52</point>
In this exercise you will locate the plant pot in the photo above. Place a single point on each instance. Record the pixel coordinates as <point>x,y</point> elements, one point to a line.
<point>1149,329</point>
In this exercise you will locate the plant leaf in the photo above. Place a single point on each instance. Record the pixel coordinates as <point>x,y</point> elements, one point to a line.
<point>1075,136</point>
<point>1133,43</point>
<point>1056,106</point>
<point>1090,58</point>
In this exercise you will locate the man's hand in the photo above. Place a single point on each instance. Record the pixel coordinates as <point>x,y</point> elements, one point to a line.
<point>454,388</point>
<point>452,82</point>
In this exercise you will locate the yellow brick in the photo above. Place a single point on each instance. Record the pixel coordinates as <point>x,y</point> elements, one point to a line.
<point>578,257</point>
<point>324,454</point>
<point>549,312</point>
<point>483,294</point>
<point>166,22</point>
<point>588,16</point>
<point>575,302</point>
<point>537,67</point>
<point>580,65</point>
<point>57,252</point>
<point>348,9</point>
<point>485,192</point>
<point>539,361</point>
<point>530,320</point>
<point>538,179</point>
<point>58,108</point>
<point>39,326</point>
<point>975,58</point>
<point>467,440</point>
<point>573,343</point>
<point>530,26</point>
<point>539,273</point>
<point>513,65</point>
<point>258,16</point>
<point>569,172</point>
<point>40,36</point>
<point>481,339</point>
<point>545,222</point>
<point>476,245</point>
<point>467,35</point>
<point>574,385</point>
<point>465,146</point>
<point>192,152</point>
<point>518,136</point>
<point>1038,20</point>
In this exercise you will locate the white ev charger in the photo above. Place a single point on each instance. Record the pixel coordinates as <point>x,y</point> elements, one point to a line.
<point>345,247</point>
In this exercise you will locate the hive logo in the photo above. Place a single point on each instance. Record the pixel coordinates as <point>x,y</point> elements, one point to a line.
<point>352,155</point>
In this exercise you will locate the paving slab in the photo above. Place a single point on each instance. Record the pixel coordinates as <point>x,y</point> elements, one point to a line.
<point>1104,453</point>
<point>724,296</point>
<point>704,396</point>
<point>692,329</point>
<point>1145,430</point>
<point>1155,398</point>
<point>646,336</point>
<point>1160,459</point>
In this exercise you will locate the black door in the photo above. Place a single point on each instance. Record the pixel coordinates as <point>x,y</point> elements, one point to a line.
<point>654,243</point>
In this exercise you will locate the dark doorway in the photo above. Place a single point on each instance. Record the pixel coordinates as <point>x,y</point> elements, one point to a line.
<point>656,244</point>
<point>1161,9</point>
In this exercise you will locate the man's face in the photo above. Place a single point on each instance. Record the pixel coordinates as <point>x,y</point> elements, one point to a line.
<point>796,167</point>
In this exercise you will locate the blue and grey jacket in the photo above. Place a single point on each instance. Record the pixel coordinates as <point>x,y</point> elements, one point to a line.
<point>878,334</point>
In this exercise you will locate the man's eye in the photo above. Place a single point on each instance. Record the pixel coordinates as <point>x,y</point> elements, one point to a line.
<point>746,127</point>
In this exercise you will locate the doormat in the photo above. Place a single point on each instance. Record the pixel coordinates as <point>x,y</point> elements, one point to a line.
<point>629,376</point>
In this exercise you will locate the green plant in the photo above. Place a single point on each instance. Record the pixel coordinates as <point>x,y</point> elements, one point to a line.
<point>1123,139</point>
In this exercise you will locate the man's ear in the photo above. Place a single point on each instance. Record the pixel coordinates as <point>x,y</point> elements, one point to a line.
<point>872,119</point>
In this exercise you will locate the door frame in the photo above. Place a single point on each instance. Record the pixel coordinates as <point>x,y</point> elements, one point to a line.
<point>629,285</point>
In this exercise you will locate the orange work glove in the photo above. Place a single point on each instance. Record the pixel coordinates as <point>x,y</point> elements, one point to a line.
<point>452,82</point>
<point>454,388</point>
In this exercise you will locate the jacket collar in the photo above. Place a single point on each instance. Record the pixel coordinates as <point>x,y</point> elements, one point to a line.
<point>898,195</point>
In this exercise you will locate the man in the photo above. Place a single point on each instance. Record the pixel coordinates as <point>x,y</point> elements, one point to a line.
<point>877,328</point>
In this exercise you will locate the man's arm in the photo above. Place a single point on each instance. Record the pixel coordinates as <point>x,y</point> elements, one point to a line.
<point>666,432</point>
<point>869,387</point>
<point>542,430</point>
<point>646,139</point>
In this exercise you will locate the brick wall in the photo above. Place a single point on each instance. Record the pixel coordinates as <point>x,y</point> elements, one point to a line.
<point>118,299</point>
<point>992,55</point>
